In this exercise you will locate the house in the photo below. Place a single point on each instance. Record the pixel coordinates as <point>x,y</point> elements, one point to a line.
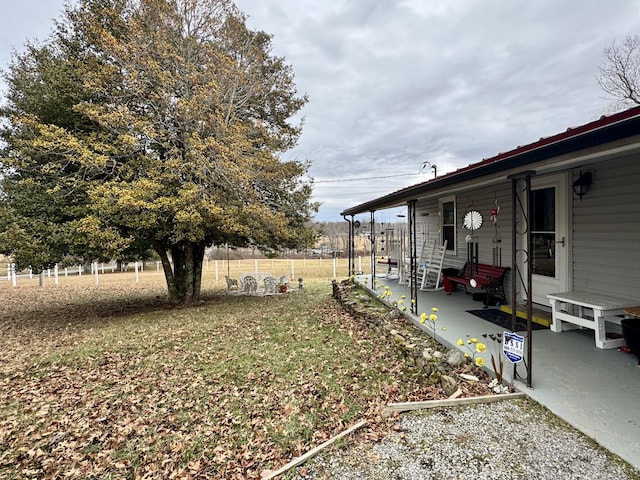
<point>563,213</point>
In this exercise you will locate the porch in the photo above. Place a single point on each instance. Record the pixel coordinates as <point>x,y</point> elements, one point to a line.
<point>595,390</point>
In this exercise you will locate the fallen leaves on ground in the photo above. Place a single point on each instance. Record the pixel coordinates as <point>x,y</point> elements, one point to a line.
<point>110,382</point>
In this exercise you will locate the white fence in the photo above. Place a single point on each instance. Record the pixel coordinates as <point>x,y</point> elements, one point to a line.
<point>219,268</point>
<point>56,272</point>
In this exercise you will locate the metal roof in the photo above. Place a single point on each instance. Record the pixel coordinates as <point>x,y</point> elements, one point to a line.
<point>606,129</point>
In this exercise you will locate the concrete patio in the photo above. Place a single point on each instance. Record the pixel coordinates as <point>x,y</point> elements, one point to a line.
<point>595,390</point>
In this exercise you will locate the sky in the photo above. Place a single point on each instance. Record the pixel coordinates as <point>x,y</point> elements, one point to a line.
<point>393,84</point>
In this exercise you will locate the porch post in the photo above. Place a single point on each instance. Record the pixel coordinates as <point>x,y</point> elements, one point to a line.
<point>350,248</point>
<point>514,247</point>
<point>373,248</point>
<point>413,274</point>
<point>521,211</point>
<point>529,340</point>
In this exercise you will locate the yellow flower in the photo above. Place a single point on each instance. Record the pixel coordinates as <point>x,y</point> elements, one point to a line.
<point>433,317</point>
<point>474,340</point>
<point>460,342</point>
<point>413,300</point>
<point>479,362</point>
<point>400,301</point>
<point>434,309</point>
<point>444,329</point>
<point>466,355</point>
<point>402,297</point>
<point>423,317</point>
<point>481,347</point>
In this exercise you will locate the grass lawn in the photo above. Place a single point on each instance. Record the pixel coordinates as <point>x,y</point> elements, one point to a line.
<point>105,381</point>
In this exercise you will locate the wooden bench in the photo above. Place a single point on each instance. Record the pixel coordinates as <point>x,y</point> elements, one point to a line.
<point>391,264</point>
<point>489,278</point>
<point>589,310</point>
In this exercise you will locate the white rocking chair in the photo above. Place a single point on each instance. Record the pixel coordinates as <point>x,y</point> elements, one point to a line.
<point>432,268</point>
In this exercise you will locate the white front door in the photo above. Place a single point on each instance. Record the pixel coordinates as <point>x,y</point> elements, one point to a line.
<point>549,255</point>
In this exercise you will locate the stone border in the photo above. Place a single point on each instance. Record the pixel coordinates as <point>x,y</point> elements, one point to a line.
<point>416,345</point>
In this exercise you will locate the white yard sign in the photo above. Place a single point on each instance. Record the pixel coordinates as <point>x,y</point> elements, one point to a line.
<point>513,346</point>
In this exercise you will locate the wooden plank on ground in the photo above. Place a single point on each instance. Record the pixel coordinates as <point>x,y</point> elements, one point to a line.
<point>453,402</point>
<point>267,475</point>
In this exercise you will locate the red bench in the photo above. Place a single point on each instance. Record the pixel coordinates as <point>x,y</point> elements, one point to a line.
<point>486,277</point>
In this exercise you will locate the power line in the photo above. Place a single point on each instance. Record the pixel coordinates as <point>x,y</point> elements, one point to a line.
<point>366,178</point>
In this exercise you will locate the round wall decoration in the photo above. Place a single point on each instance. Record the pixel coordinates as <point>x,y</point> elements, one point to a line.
<point>472,220</point>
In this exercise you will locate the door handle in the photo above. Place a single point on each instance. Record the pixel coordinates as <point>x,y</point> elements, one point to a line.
<point>561,241</point>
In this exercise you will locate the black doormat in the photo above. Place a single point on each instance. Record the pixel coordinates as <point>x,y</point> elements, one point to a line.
<point>504,319</point>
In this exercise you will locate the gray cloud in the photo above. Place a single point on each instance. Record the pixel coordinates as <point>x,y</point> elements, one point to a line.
<point>393,83</point>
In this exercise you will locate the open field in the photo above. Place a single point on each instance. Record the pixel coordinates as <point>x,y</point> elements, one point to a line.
<point>107,381</point>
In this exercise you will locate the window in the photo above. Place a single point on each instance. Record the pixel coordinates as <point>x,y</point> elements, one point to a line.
<point>448,222</point>
<point>543,232</point>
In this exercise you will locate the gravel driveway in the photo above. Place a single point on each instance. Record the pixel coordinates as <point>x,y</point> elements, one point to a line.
<point>510,439</point>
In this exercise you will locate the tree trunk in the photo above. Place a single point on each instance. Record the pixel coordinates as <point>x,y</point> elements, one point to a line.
<point>183,272</point>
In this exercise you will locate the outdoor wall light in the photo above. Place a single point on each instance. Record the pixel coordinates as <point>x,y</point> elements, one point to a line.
<point>582,184</point>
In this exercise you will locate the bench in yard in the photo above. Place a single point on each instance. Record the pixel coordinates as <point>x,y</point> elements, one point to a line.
<point>489,278</point>
<point>589,310</point>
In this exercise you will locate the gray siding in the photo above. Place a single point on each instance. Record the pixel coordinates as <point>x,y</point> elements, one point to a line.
<point>604,226</point>
<point>606,231</point>
<point>482,200</point>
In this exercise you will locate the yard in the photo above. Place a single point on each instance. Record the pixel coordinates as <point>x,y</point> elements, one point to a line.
<point>106,381</point>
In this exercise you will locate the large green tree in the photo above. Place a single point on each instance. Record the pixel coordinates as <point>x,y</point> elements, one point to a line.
<point>152,123</point>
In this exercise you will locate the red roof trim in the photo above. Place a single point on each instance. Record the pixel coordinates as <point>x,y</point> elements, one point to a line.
<point>603,121</point>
